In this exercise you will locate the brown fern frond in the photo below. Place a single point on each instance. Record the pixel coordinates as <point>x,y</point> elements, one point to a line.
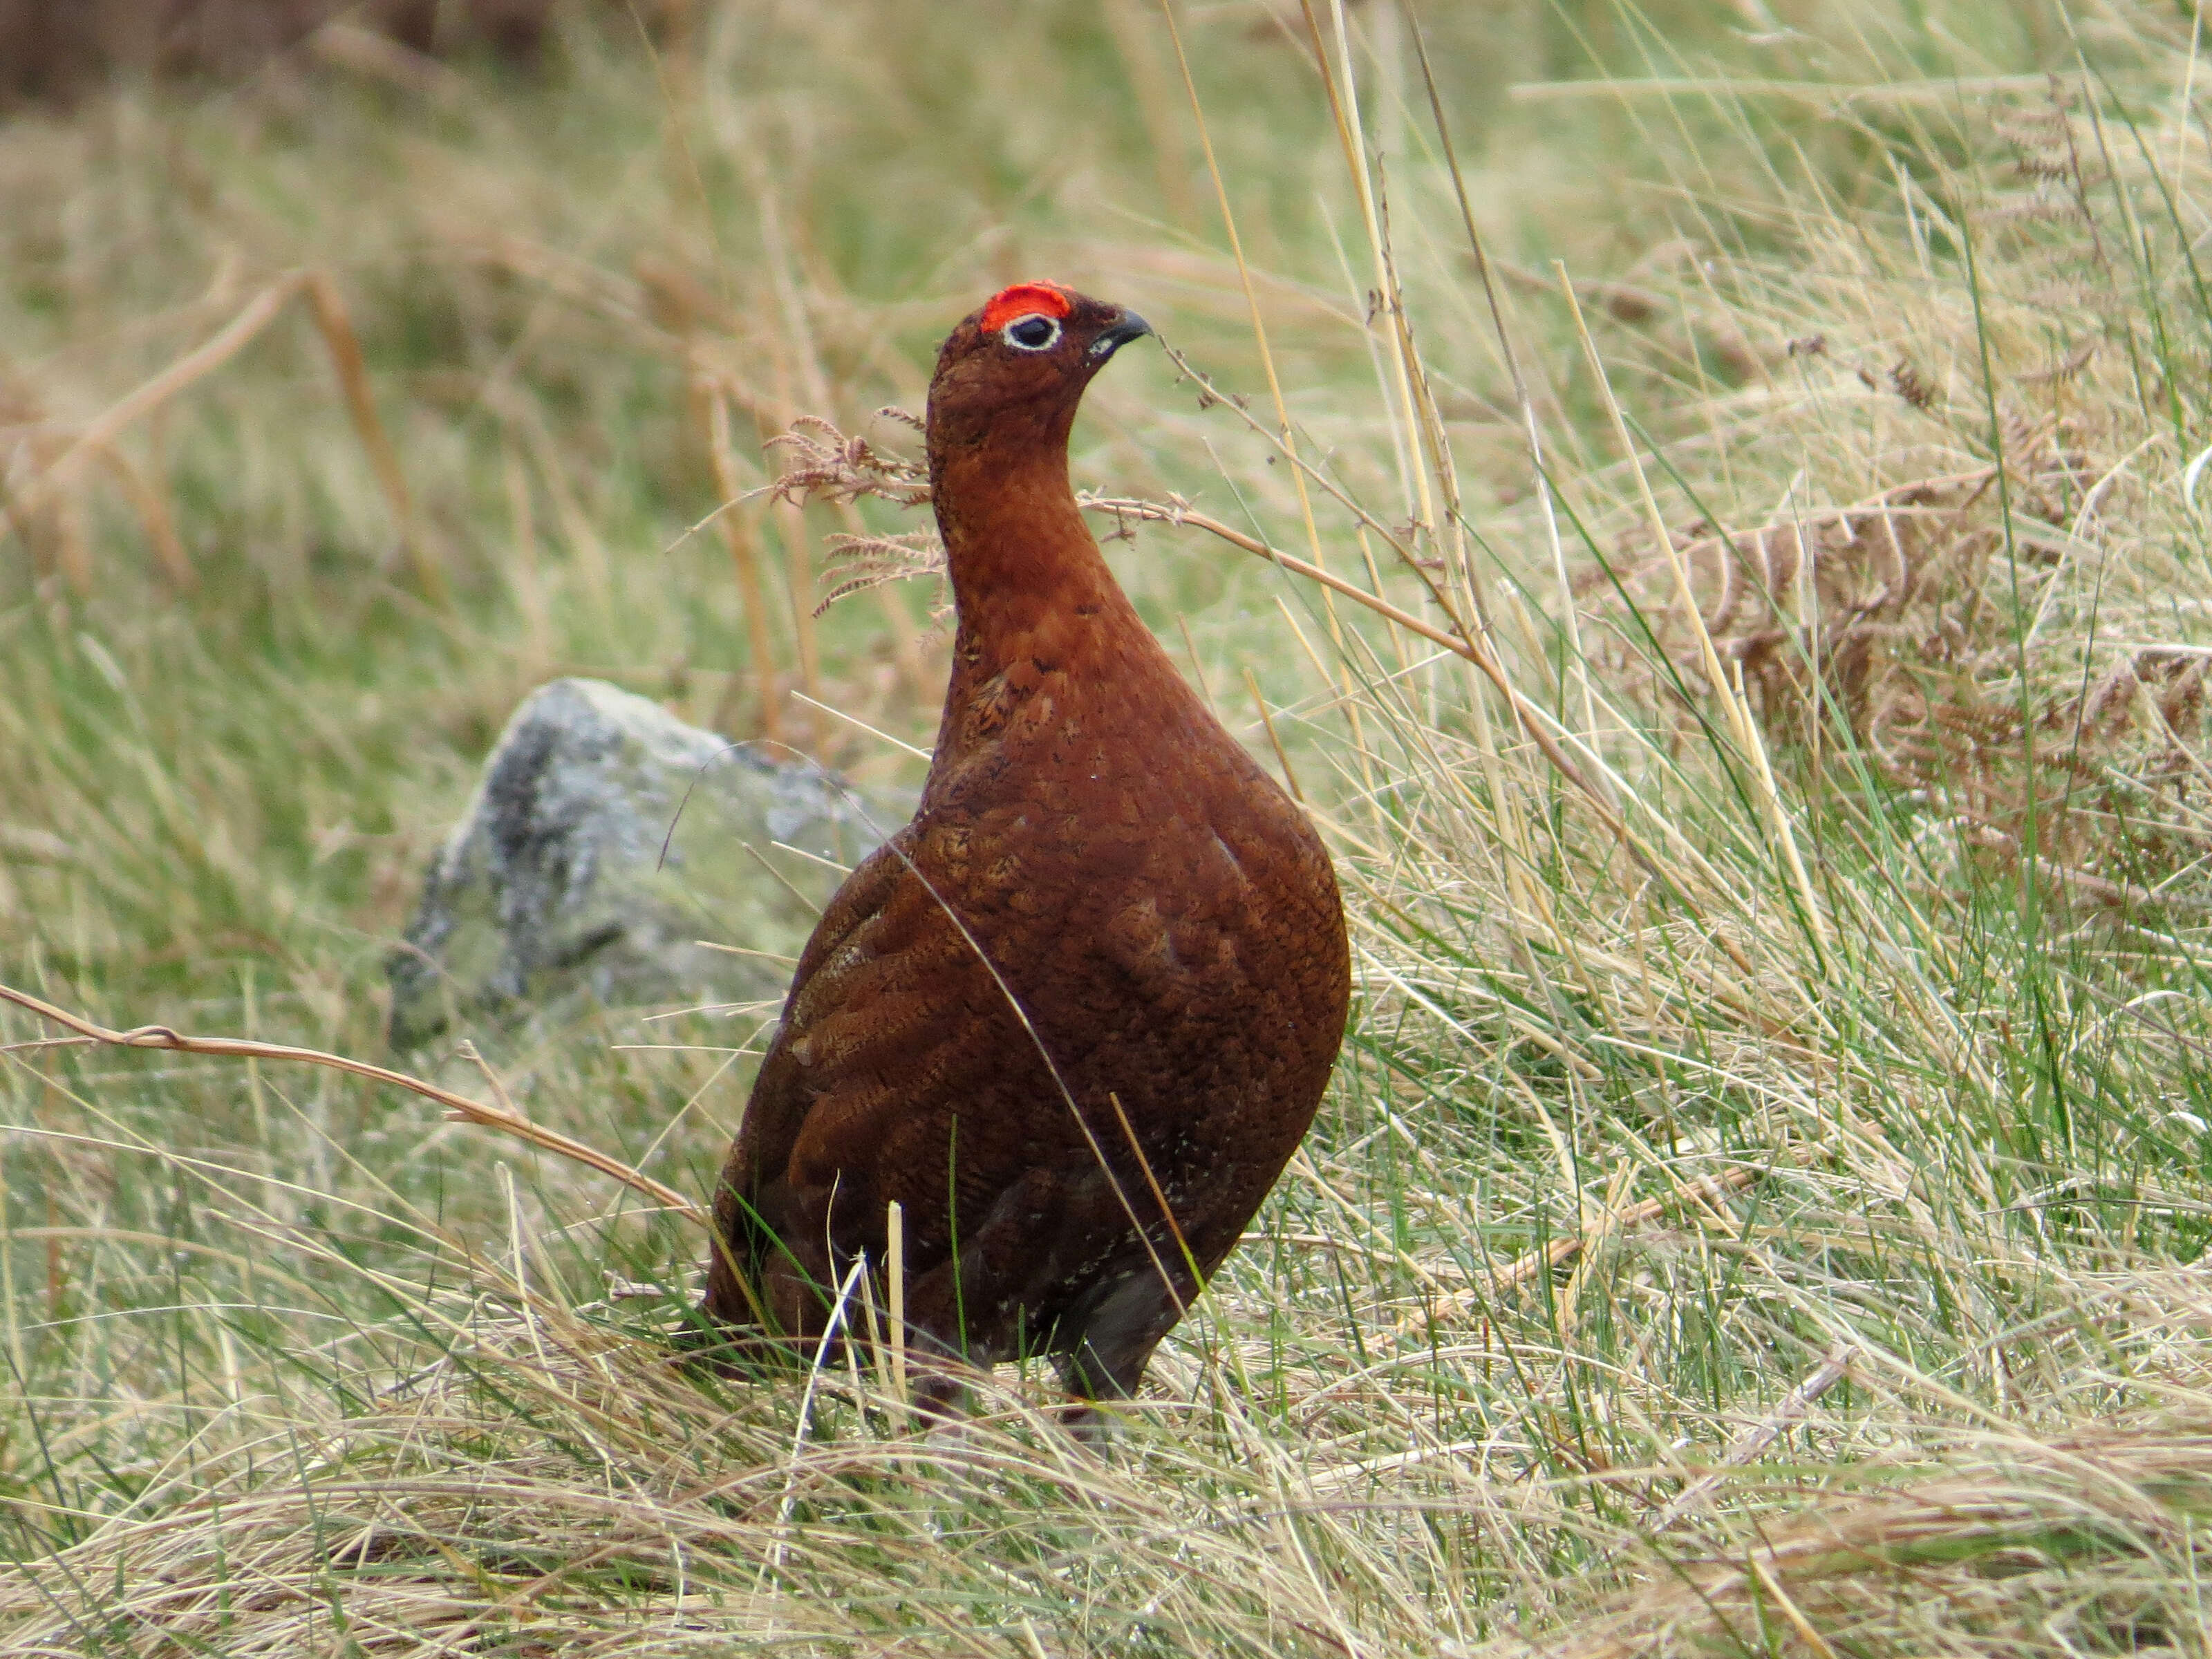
<point>1910,385</point>
<point>858,563</point>
<point>821,463</point>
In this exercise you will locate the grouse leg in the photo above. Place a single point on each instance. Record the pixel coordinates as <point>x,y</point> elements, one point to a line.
<point>1115,1336</point>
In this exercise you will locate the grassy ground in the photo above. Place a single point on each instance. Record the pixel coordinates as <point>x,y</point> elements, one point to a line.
<point>1762,1201</point>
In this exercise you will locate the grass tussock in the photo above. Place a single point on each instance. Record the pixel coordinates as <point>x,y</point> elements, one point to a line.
<point>1972,565</point>
<point>1755,696</point>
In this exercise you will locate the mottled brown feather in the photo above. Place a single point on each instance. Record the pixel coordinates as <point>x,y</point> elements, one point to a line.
<point>1102,902</point>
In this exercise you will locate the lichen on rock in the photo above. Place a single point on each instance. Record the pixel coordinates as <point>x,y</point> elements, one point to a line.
<point>608,847</point>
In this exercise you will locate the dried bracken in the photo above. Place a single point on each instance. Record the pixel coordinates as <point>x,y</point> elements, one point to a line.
<point>860,562</point>
<point>1986,631</point>
<point>821,463</point>
<point>1826,598</point>
<point>1897,621</point>
<point>1914,387</point>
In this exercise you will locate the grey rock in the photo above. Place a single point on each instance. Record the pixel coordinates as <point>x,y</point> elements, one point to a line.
<point>606,840</point>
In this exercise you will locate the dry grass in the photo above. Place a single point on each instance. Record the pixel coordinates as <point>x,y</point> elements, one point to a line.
<point>1763,1203</point>
<point>1993,629</point>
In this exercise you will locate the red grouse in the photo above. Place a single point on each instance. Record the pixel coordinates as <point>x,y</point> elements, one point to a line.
<point>1077,1014</point>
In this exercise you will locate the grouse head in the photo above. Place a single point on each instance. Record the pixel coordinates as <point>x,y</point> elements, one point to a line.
<point>1013,372</point>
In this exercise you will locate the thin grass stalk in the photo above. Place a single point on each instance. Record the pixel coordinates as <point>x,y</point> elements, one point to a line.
<point>1342,86</point>
<point>507,1120</point>
<point>154,518</point>
<point>1726,687</point>
<point>737,541</point>
<point>1286,436</point>
<point>100,433</point>
<point>335,324</point>
<point>894,1275</point>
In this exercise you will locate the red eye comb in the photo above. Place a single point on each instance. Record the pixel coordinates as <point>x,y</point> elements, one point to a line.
<point>1043,298</point>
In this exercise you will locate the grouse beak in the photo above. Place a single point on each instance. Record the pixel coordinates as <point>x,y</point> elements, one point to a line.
<point>1131,327</point>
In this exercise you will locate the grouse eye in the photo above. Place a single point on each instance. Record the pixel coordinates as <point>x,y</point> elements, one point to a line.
<point>1033,332</point>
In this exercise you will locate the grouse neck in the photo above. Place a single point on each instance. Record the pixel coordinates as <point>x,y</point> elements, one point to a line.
<point>1025,570</point>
